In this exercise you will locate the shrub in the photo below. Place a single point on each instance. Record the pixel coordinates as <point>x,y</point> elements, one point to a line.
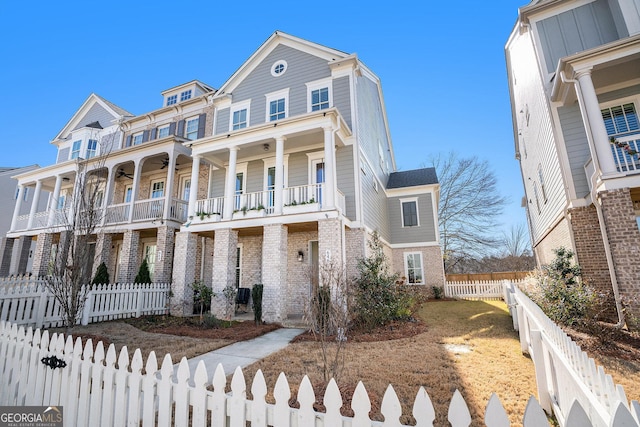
<point>143,275</point>
<point>438,292</point>
<point>210,321</point>
<point>256,295</point>
<point>102,275</point>
<point>378,299</point>
<point>560,292</point>
<point>202,295</point>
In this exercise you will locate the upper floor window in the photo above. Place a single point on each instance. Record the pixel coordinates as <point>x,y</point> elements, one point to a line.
<point>185,95</point>
<point>409,212</point>
<point>620,119</point>
<point>192,128</point>
<point>75,149</point>
<point>157,189</point>
<point>278,68</point>
<point>319,95</point>
<point>320,99</point>
<point>542,185</point>
<point>92,147</point>
<point>413,268</point>
<point>163,132</point>
<point>277,105</point>
<point>240,115</point>
<point>137,138</point>
<point>172,99</point>
<point>535,195</point>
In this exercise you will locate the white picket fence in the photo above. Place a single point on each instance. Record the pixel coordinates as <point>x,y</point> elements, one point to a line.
<point>564,373</point>
<point>29,302</point>
<point>94,392</point>
<point>479,290</point>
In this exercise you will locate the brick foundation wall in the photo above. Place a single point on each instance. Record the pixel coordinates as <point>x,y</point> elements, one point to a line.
<point>165,242</point>
<point>432,266</point>
<point>103,254</point>
<point>355,243</point>
<point>251,261</point>
<point>23,249</point>
<point>299,274</point>
<point>129,264</point>
<point>624,241</point>
<point>559,236</point>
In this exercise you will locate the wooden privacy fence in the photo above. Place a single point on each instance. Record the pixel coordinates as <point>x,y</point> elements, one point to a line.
<point>565,375</point>
<point>94,392</point>
<point>30,303</point>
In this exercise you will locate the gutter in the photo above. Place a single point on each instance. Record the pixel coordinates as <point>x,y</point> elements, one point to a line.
<point>596,202</point>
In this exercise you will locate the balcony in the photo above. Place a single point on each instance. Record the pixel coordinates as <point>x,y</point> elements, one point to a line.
<point>626,154</point>
<point>296,200</point>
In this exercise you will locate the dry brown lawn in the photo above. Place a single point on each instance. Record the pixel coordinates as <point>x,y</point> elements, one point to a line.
<point>494,363</point>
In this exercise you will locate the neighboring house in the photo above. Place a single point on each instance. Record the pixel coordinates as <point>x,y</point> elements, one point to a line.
<point>574,79</point>
<point>287,168</point>
<point>15,255</point>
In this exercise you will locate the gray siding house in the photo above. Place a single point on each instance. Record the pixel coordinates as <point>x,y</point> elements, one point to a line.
<point>284,170</point>
<point>574,73</point>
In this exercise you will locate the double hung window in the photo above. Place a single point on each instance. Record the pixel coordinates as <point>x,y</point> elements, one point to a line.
<point>92,147</point>
<point>410,213</point>
<point>277,105</point>
<point>192,129</point>
<point>413,268</point>
<point>75,149</point>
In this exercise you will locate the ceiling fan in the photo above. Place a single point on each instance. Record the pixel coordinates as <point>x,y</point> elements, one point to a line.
<point>122,173</point>
<point>165,163</point>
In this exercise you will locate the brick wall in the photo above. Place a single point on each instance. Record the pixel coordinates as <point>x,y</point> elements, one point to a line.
<point>299,274</point>
<point>274,271</point>
<point>165,242</point>
<point>251,261</point>
<point>624,241</point>
<point>355,242</point>
<point>129,264</point>
<point>6,250</point>
<point>432,266</point>
<point>184,274</point>
<point>559,236</point>
<point>42,254</point>
<point>224,268</point>
<point>103,254</point>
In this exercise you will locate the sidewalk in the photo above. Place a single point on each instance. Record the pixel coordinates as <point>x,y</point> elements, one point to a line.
<point>244,353</point>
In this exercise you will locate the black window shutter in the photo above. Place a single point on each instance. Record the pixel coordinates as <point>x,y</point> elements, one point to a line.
<point>202,120</point>
<point>154,132</point>
<point>180,128</point>
<point>145,136</point>
<point>128,143</point>
<point>172,128</point>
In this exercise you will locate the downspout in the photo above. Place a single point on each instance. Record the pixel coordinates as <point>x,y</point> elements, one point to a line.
<point>596,202</point>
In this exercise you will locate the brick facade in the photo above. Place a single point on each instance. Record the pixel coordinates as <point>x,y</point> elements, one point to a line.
<point>356,246</point>
<point>274,271</point>
<point>432,266</point>
<point>23,250</point>
<point>251,263</point>
<point>6,250</point>
<point>299,274</point>
<point>559,236</point>
<point>129,264</point>
<point>624,241</point>
<point>165,241</point>
<point>184,274</point>
<point>42,255</point>
<point>225,255</point>
<point>103,254</point>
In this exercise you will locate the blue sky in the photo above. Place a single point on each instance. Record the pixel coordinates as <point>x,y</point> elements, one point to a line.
<point>441,65</point>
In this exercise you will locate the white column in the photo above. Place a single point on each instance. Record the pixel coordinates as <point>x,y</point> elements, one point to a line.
<point>108,194</point>
<point>279,178</point>
<point>168,194</point>
<point>193,191</point>
<point>137,170</point>
<point>630,15</point>
<point>329,186</point>
<point>34,203</point>
<point>230,189</point>
<point>53,206</point>
<point>16,209</point>
<point>594,121</point>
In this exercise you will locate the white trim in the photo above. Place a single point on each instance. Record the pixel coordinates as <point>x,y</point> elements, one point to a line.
<point>320,84</point>
<point>408,200</point>
<point>186,124</point>
<point>405,256</point>
<point>167,127</point>
<point>312,160</point>
<point>274,96</point>
<point>239,106</point>
<point>238,266</point>
<point>270,162</point>
<point>413,245</point>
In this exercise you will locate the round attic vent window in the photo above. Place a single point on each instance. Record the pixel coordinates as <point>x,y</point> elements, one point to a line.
<point>278,68</point>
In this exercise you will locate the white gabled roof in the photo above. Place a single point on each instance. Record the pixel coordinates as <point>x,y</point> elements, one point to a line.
<point>276,39</point>
<point>93,99</point>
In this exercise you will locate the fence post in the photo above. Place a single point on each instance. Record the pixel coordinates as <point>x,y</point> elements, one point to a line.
<point>540,368</point>
<point>88,306</point>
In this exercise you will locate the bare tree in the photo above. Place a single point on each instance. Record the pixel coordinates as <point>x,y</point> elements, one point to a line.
<point>469,207</point>
<point>327,315</point>
<point>71,264</point>
<point>516,241</point>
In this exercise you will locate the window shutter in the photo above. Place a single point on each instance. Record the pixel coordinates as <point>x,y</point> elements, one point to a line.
<point>128,143</point>
<point>145,136</point>
<point>202,119</point>
<point>172,128</point>
<point>154,132</point>
<point>180,128</point>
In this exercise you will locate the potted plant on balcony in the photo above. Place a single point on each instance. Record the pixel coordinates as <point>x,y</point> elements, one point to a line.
<point>246,212</point>
<point>304,206</point>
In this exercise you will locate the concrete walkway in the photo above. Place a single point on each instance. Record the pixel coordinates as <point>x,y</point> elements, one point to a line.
<point>244,353</point>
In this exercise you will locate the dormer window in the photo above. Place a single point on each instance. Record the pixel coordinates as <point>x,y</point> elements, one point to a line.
<point>172,99</point>
<point>185,95</point>
<point>92,147</point>
<point>75,149</point>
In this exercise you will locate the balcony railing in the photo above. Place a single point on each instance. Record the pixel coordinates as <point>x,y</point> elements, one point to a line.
<point>179,210</point>
<point>626,162</point>
<point>117,214</point>
<point>210,207</point>
<point>150,209</point>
